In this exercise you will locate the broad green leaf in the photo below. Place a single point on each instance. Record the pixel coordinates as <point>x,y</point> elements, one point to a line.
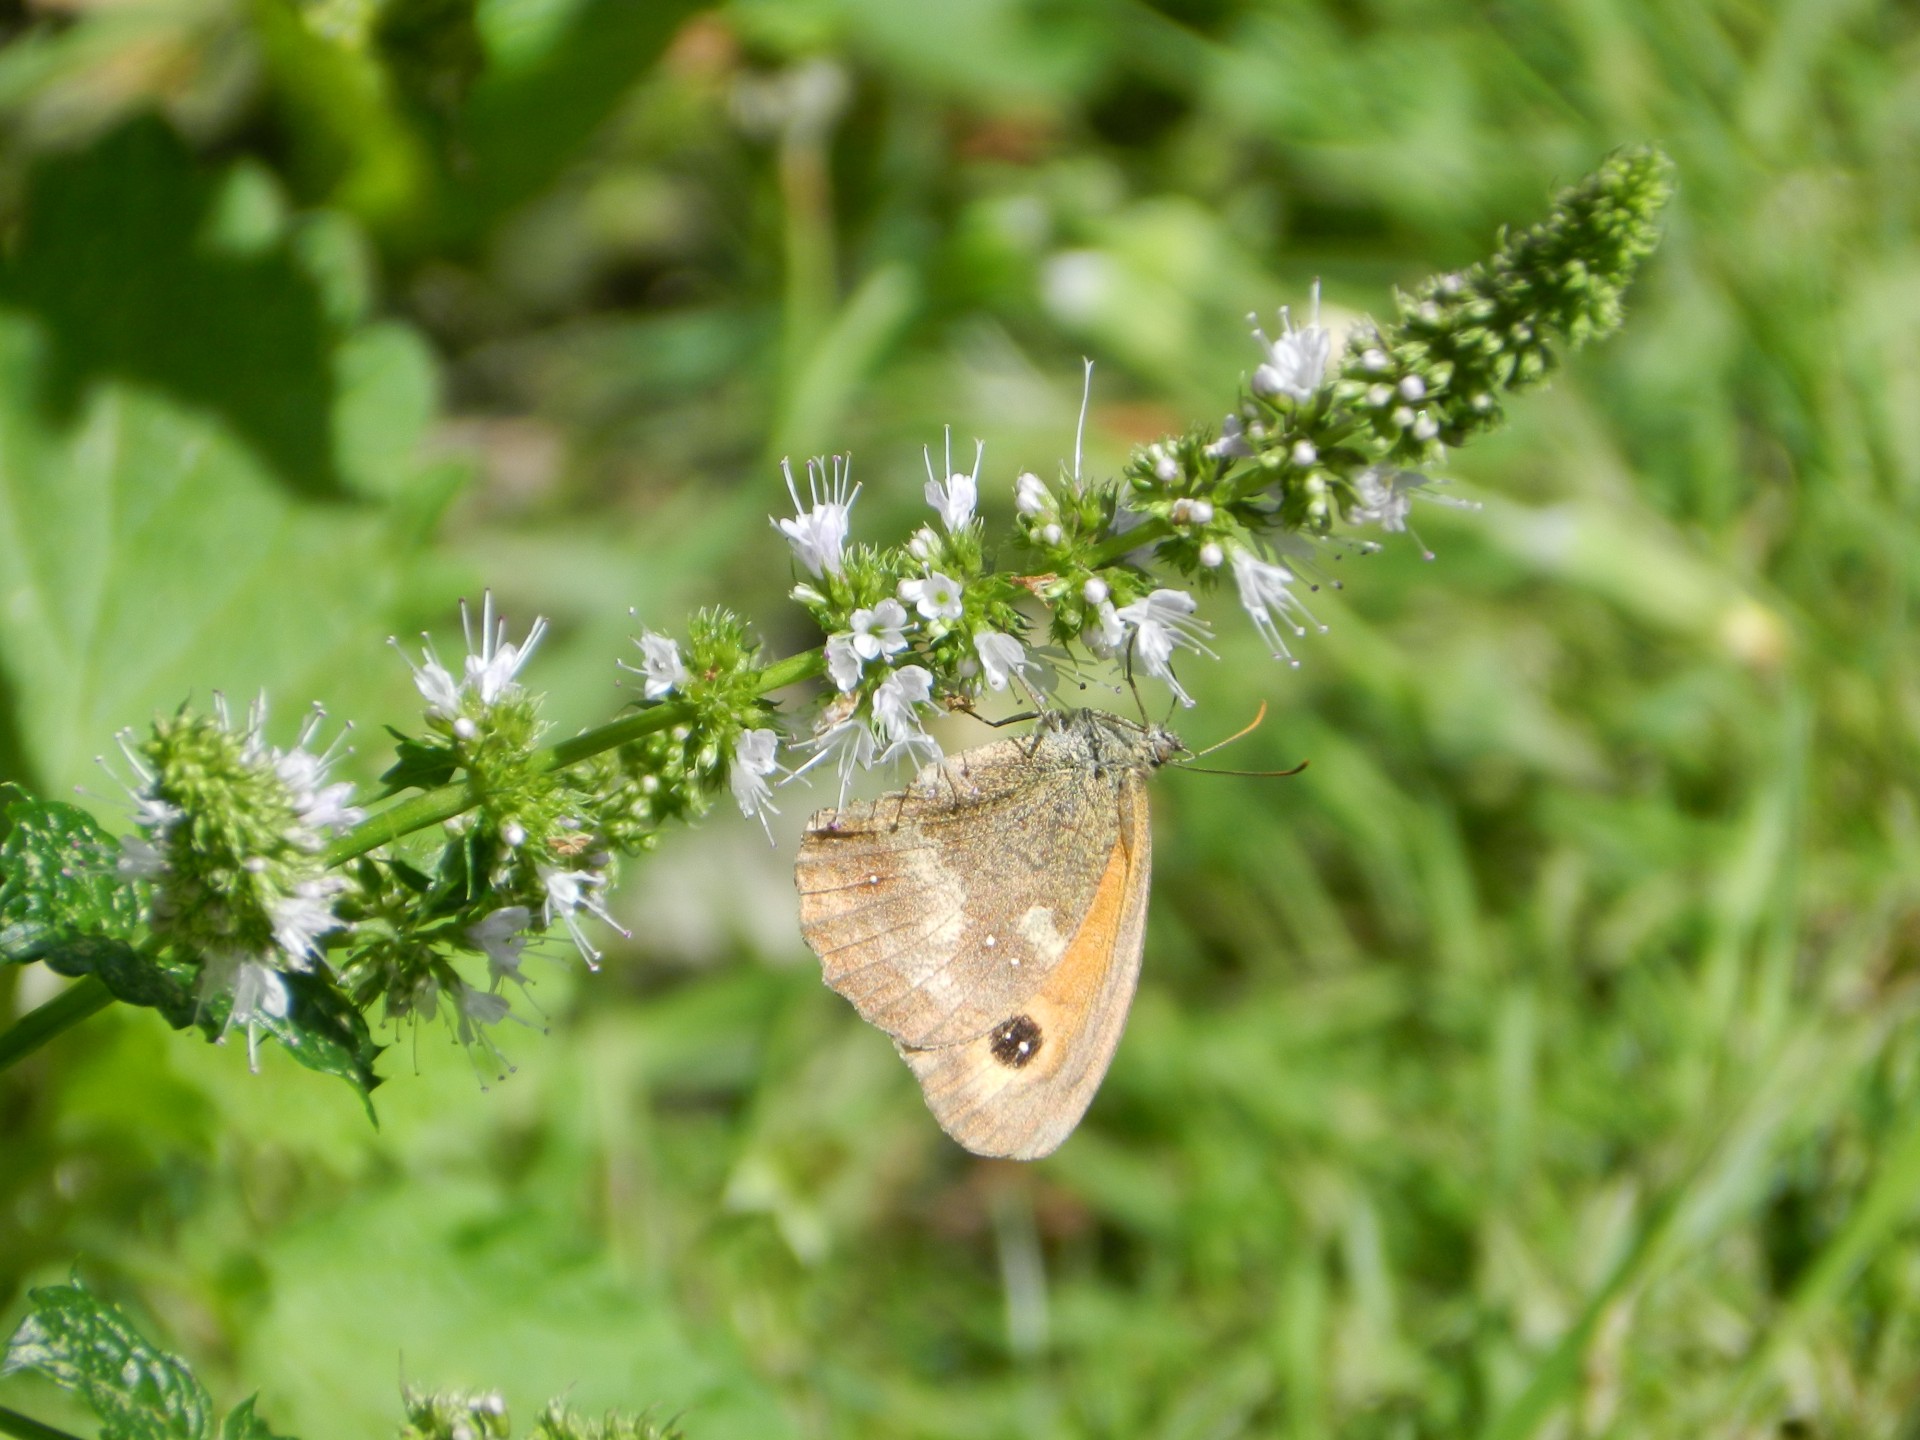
<point>58,880</point>
<point>88,1346</point>
<point>207,473</point>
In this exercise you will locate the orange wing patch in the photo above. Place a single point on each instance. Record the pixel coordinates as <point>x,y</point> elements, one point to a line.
<point>1019,1089</point>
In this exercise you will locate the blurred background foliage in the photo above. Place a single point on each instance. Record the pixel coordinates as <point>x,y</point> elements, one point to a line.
<point>1543,1061</point>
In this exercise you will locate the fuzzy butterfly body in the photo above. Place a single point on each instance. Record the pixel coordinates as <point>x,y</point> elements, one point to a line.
<point>990,917</point>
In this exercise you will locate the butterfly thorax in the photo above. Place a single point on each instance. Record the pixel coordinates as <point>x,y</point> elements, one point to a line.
<point>1111,742</point>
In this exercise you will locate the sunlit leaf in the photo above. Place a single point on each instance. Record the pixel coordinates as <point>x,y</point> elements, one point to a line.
<point>86,1345</point>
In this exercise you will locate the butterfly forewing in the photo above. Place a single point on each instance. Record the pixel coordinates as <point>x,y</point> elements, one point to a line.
<point>939,909</point>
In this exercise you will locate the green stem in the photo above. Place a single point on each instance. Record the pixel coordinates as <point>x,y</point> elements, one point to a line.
<point>90,996</point>
<point>1118,547</point>
<point>12,1422</point>
<point>86,996</point>
<point>436,806</point>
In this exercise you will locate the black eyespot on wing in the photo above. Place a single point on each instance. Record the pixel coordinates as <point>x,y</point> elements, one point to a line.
<point>1015,1042</point>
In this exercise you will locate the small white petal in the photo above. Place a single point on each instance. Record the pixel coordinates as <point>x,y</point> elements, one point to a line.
<point>1001,657</point>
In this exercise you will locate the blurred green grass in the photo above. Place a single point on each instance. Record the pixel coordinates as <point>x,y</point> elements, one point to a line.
<point>1541,1061</point>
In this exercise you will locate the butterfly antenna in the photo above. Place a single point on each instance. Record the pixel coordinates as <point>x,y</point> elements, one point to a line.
<point>1247,774</point>
<point>1252,725</point>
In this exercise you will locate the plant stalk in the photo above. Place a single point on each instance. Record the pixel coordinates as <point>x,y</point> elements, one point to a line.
<point>86,996</point>
<point>12,1422</point>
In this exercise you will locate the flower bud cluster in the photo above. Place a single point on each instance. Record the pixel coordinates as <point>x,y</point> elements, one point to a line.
<point>673,774</point>
<point>229,832</point>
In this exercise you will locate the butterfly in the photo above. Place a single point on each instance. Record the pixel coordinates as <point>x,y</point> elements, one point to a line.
<point>990,918</point>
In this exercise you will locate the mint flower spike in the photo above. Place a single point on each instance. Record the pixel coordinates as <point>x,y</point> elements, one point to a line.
<point>1467,337</point>
<point>229,835</point>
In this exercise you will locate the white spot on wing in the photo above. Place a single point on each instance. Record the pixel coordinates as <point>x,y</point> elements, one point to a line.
<point>1037,927</point>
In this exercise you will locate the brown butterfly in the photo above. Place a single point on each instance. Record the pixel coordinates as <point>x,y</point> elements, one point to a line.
<point>990,917</point>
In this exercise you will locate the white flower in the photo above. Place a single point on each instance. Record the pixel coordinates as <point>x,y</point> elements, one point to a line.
<point>1232,444</point>
<point>1031,496</point>
<point>755,756</point>
<point>1211,555</point>
<point>852,745</point>
<point>818,532</point>
<point>1387,495</point>
<point>321,809</point>
<point>895,702</point>
<point>1297,360</point>
<point>140,859</point>
<point>489,671</point>
<point>878,631</point>
<point>924,544</point>
<point>477,1008</point>
<point>843,662</point>
<point>1001,657</point>
<point>1162,623</point>
<point>661,669</point>
<point>568,893</point>
<point>1108,632</point>
<point>1095,591</point>
<point>937,597</point>
<point>501,937</point>
<point>959,493</point>
<point>301,916</point>
<point>258,992</point>
<point>436,686</point>
<point>1266,592</point>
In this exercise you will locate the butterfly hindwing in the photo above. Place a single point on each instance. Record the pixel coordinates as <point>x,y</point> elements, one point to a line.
<point>1018,1090</point>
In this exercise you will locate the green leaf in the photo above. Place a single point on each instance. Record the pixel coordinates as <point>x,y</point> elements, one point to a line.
<point>421,766</point>
<point>59,880</point>
<point>133,976</point>
<point>242,1424</point>
<point>210,471</point>
<point>88,1346</point>
<point>324,1031</point>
